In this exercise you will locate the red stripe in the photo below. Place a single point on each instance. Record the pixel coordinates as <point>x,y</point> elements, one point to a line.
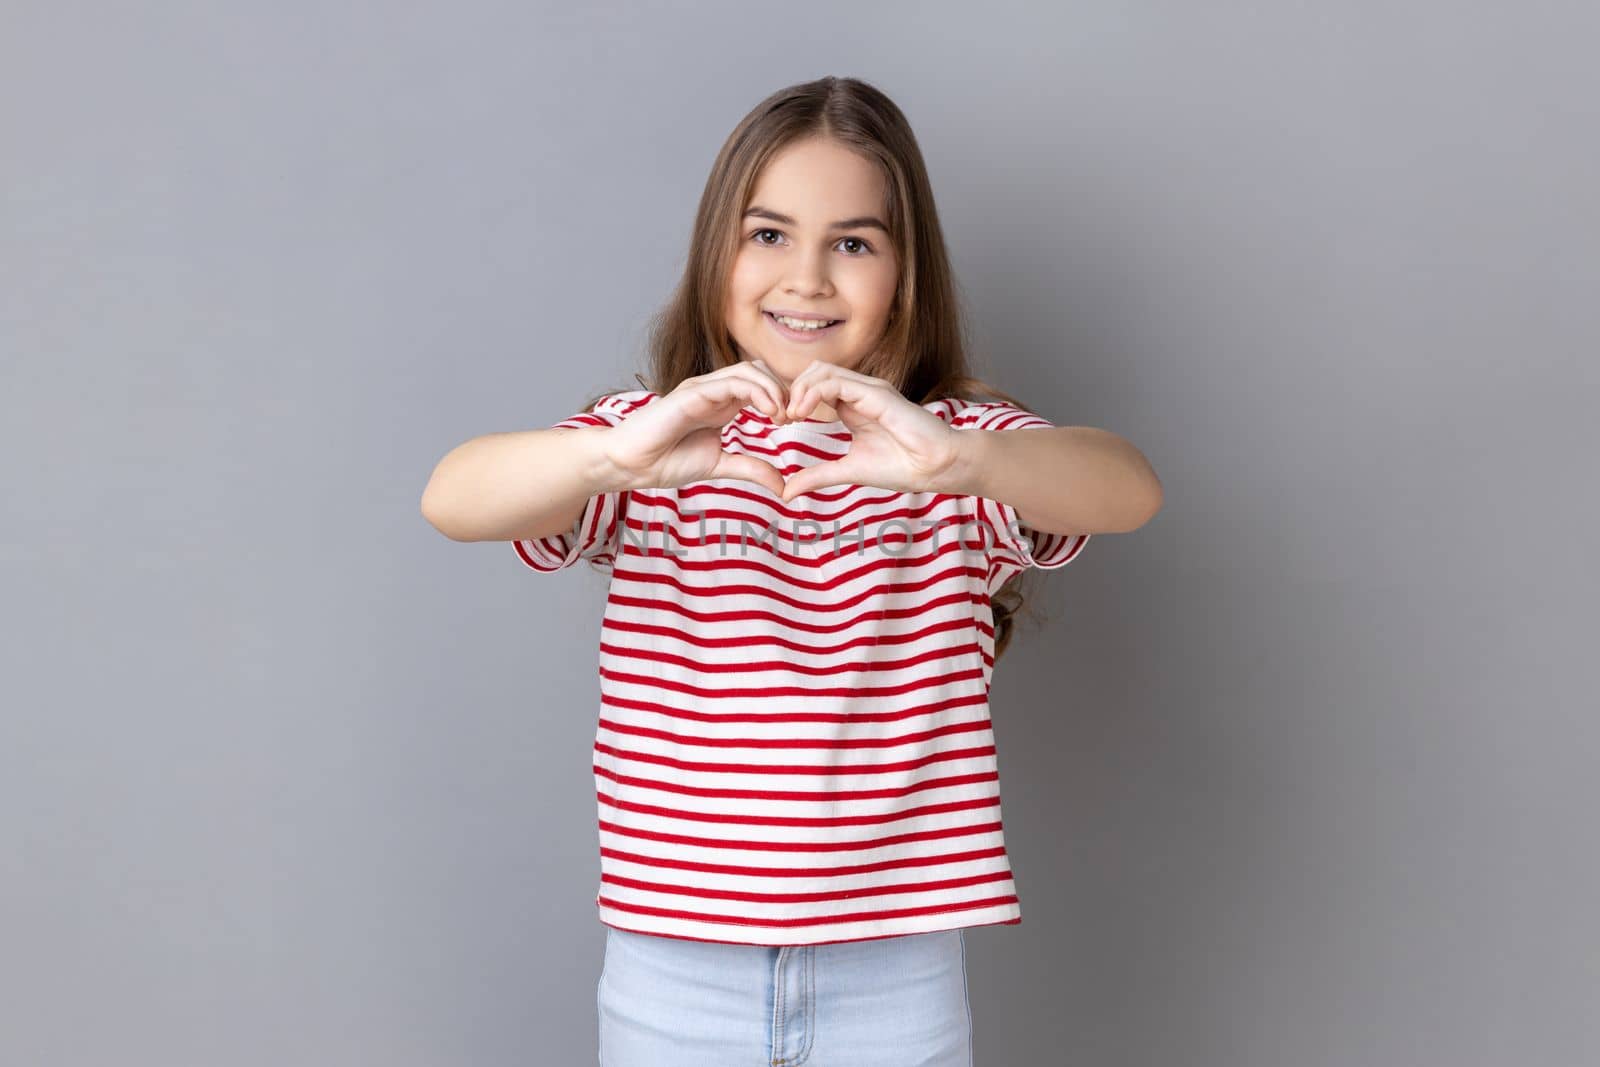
<point>819,769</point>
<point>824,743</point>
<point>831,796</point>
<point>844,871</point>
<point>608,699</point>
<point>744,641</point>
<point>798,846</point>
<point>725,692</point>
<point>749,615</point>
<point>826,941</point>
<point>528,558</point>
<point>646,655</point>
<point>855,916</point>
<point>990,801</point>
<point>987,878</point>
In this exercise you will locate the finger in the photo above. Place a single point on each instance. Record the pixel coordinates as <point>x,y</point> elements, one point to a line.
<point>805,395</point>
<point>723,395</point>
<point>757,371</point>
<point>781,389</point>
<point>768,395</point>
<point>750,469</point>
<point>851,399</point>
<point>799,407</point>
<point>820,476</point>
<point>765,368</point>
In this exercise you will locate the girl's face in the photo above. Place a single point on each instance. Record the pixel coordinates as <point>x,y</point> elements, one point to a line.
<point>813,243</point>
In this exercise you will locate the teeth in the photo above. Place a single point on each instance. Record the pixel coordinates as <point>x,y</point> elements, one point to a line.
<point>803,324</point>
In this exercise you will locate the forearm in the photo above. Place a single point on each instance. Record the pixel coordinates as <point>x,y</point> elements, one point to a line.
<point>1061,479</point>
<point>520,484</point>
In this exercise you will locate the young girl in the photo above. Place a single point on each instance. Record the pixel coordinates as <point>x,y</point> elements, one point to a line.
<point>813,525</point>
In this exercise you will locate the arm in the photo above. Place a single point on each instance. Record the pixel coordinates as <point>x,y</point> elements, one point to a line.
<point>524,484</point>
<point>1061,479</point>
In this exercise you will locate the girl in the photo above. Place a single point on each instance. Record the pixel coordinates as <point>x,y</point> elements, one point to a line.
<point>813,529</point>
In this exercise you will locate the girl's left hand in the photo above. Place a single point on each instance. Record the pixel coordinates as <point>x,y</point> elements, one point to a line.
<point>895,444</point>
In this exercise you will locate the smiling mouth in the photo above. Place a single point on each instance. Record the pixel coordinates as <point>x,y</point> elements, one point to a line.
<point>812,324</point>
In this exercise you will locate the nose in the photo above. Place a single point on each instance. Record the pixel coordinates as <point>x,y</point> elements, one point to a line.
<point>808,274</point>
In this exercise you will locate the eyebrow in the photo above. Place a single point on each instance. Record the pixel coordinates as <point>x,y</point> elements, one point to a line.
<point>842,224</point>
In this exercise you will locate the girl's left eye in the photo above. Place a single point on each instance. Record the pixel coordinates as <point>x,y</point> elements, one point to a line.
<point>865,246</point>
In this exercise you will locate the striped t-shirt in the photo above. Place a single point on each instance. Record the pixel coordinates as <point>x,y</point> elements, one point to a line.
<point>794,743</point>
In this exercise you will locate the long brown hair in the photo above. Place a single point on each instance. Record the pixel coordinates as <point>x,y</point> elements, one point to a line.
<point>924,349</point>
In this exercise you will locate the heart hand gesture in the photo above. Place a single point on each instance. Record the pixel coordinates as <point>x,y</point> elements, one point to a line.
<point>678,439</point>
<point>895,444</point>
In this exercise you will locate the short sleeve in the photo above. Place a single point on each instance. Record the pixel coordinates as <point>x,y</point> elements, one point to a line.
<point>597,533</point>
<point>1013,546</point>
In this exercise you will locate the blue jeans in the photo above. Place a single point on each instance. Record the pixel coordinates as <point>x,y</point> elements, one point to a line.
<point>884,1002</point>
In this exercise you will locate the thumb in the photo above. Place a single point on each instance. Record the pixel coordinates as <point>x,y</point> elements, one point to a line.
<point>750,469</point>
<point>834,472</point>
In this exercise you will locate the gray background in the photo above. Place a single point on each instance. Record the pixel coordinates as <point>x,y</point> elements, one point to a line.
<point>1300,773</point>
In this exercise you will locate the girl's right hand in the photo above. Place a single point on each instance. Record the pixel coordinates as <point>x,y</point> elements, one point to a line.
<point>678,439</point>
